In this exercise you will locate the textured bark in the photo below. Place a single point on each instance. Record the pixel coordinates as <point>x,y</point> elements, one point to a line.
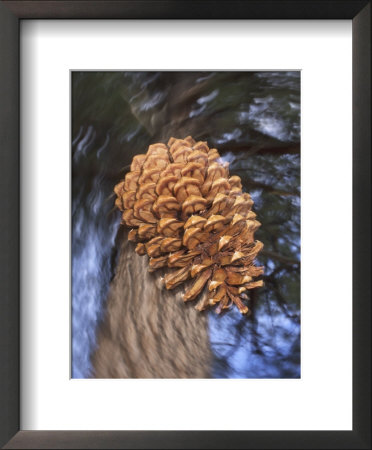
<point>147,331</point>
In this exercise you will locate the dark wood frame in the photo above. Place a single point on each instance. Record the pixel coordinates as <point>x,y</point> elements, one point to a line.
<point>11,12</point>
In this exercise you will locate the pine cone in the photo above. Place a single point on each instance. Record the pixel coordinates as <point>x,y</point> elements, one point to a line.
<point>186,212</point>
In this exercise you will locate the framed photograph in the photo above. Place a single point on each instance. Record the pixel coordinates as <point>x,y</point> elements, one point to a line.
<point>182,187</point>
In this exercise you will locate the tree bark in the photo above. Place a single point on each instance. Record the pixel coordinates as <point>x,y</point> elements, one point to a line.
<point>147,331</point>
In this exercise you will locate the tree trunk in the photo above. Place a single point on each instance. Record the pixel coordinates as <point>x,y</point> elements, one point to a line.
<point>147,331</point>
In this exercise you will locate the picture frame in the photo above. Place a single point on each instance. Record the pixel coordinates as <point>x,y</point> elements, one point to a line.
<point>11,12</point>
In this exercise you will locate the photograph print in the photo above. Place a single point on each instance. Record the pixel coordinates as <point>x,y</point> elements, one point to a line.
<point>185,224</point>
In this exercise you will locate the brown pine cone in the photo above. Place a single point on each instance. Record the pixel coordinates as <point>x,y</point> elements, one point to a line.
<point>186,212</point>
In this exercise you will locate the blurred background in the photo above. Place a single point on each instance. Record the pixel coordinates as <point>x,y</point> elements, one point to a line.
<point>253,119</point>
